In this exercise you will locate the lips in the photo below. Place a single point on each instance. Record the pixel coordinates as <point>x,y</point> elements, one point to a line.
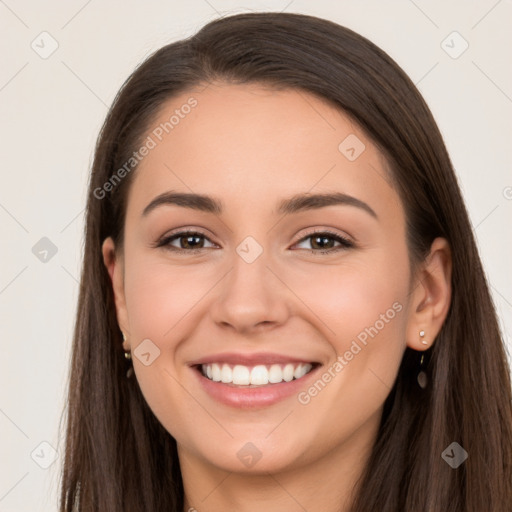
<point>253,380</point>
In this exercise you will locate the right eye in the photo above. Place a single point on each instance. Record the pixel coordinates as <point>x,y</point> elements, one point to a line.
<point>189,241</point>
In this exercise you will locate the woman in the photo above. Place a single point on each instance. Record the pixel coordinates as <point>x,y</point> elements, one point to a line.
<point>282,304</point>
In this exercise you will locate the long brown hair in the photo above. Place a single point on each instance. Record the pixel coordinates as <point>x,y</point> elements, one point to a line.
<point>120,458</point>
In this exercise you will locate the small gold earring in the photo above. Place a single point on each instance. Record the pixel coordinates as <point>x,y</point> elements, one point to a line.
<point>422,333</point>
<point>128,356</point>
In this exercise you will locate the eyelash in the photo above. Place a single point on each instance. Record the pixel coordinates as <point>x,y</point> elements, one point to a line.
<point>166,240</point>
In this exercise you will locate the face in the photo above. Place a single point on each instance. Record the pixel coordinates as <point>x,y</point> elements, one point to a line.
<point>313,295</point>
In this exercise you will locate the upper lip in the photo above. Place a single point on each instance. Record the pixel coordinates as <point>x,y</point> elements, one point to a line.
<point>249,359</point>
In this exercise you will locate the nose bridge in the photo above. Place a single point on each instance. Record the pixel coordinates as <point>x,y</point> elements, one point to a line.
<point>250,293</point>
<point>250,263</point>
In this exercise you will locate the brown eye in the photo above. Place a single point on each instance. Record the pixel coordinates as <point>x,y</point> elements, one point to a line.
<point>322,242</point>
<point>191,241</point>
<point>325,241</point>
<point>188,241</point>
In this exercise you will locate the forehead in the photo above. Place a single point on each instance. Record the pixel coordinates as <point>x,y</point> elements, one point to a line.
<point>251,145</point>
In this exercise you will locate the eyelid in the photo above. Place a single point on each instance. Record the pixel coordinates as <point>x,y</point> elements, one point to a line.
<point>177,233</point>
<point>321,231</point>
<point>186,231</point>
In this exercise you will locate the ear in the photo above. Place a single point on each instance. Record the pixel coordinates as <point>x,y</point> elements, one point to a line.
<point>430,296</point>
<point>114,263</point>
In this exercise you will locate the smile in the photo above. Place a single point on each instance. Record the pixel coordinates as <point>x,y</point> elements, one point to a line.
<point>259,375</point>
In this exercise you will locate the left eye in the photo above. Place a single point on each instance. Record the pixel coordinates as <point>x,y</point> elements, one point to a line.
<point>320,242</point>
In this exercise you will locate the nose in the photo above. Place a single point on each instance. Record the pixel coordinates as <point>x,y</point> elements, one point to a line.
<point>251,297</point>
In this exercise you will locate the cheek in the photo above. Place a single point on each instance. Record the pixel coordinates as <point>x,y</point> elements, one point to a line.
<point>360,307</point>
<point>161,301</point>
<point>160,296</point>
<point>353,295</point>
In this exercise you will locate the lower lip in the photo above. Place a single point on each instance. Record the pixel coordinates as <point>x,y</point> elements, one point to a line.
<point>249,398</point>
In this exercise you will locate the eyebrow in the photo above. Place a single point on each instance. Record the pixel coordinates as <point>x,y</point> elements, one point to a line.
<point>294,204</point>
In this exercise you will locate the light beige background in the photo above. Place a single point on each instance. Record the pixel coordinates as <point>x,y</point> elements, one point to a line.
<point>51,111</point>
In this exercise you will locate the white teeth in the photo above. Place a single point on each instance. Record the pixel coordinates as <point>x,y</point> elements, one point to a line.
<point>241,375</point>
<point>288,373</point>
<point>275,374</point>
<point>301,370</point>
<point>226,374</point>
<point>215,372</point>
<point>259,375</point>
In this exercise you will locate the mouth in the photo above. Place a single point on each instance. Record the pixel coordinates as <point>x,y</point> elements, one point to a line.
<point>255,376</point>
<point>253,380</point>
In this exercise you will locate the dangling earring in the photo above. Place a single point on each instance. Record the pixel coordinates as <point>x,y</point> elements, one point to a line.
<point>129,373</point>
<point>422,375</point>
<point>128,356</point>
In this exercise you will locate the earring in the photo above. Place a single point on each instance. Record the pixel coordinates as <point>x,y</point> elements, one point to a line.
<point>128,356</point>
<point>422,376</point>
<point>422,333</point>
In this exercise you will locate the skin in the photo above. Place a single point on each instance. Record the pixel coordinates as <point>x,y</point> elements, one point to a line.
<point>251,147</point>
